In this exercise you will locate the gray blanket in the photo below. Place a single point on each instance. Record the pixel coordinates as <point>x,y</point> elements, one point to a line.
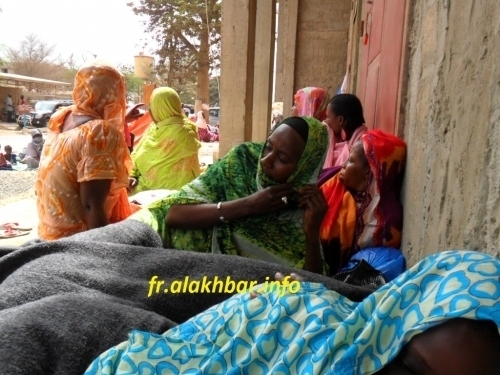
<point>63,303</point>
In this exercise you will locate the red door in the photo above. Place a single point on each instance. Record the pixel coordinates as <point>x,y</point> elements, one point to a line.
<point>381,57</point>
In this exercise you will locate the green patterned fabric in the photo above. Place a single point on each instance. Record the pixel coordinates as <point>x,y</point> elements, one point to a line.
<point>167,155</point>
<point>237,175</point>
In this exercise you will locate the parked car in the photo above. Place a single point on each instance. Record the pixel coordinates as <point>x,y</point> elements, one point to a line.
<point>214,113</point>
<point>44,109</point>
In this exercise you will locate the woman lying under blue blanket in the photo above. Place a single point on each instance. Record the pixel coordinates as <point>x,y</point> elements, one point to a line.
<point>440,317</point>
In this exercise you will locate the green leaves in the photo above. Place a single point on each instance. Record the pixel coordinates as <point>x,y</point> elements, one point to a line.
<point>134,84</point>
<point>188,35</point>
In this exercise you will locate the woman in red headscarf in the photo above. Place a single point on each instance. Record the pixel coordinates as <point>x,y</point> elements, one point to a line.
<point>363,199</point>
<point>312,102</point>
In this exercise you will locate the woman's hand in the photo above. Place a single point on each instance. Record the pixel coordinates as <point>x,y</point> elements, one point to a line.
<point>315,207</point>
<point>292,277</point>
<point>93,196</point>
<point>208,215</point>
<point>270,199</point>
<point>132,183</point>
<point>133,113</point>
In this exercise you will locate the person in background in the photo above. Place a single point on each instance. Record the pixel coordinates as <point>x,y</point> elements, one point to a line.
<point>4,164</point>
<point>344,117</point>
<point>23,110</point>
<point>205,134</point>
<point>311,101</point>
<point>9,156</point>
<point>167,155</point>
<point>276,118</point>
<point>34,150</point>
<point>83,174</point>
<point>9,107</point>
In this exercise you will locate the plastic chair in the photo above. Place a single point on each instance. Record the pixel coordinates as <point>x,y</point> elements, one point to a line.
<point>24,120</point>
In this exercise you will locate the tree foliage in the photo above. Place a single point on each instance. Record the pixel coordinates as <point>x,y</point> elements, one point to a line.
<point>134,84</point>
<point>188,35</point>
<point>2,53</point>
<point>35,58</point>
<point>214,91</point>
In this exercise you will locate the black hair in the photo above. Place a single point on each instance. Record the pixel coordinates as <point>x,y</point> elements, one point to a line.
<point>22,96</point>
<point>299,125</point>
<point>349,107</point>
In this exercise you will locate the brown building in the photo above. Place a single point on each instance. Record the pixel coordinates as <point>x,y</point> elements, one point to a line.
<point>425,70</point>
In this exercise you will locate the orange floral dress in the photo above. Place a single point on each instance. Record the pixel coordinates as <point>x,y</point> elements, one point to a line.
<point>95,150</point>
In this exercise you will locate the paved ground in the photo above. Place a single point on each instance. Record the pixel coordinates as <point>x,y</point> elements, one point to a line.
<point>22,208</point>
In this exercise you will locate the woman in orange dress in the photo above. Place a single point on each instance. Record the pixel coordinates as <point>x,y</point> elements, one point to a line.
<point>83,174</point>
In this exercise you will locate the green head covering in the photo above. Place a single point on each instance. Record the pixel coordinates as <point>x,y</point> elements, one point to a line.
<point>238,175</point>
<point>167,154</point>
<point>166,106</point>
<point>313,155</point>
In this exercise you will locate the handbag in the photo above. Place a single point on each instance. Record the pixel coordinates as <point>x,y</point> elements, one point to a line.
<point>362,274</point>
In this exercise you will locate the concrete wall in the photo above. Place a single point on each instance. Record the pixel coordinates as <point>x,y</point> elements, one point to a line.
<point>312,46</point>
<point>322,36</point>
<point>311,51</point>
<point>451,122</point>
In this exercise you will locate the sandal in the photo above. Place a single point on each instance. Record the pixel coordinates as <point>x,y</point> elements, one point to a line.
<point>14,226</point>
<point>10,233</point>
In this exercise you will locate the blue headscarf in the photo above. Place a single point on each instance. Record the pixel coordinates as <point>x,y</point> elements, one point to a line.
<point>317,331</point>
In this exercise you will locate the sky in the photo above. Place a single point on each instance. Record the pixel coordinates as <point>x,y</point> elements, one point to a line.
<point>106,28</point>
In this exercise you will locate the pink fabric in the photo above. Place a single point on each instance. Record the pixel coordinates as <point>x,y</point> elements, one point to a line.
<point>338,152</point>
<point>206,135</point>
<point>312,101</point>
<point>200,122</point>
<point>334,150</point>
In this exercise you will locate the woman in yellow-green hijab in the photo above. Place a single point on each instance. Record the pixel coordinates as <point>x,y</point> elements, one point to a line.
<point>167,155</point>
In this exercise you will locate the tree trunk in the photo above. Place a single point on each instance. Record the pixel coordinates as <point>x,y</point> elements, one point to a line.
<point>203,84</point>
<point>171,63</point>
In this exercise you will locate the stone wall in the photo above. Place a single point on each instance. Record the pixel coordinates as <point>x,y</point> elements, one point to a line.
<point>322,35</point>
<point>451,122</point>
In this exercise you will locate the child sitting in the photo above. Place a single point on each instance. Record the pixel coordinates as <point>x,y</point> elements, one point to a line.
<point>4,164</point>
<point>9,156</point>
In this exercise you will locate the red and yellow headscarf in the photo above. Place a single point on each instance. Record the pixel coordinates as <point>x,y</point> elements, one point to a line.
<point>377,219</point>
<point>312,102</point>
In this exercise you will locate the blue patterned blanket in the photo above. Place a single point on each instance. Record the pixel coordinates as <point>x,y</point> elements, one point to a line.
<point>84,294</point>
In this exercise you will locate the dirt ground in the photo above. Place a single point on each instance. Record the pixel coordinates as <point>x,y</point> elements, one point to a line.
<point>21,208</point>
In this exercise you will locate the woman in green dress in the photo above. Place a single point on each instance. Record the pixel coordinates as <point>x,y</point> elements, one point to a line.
<point>259,201</point>
<point>167,155</point>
